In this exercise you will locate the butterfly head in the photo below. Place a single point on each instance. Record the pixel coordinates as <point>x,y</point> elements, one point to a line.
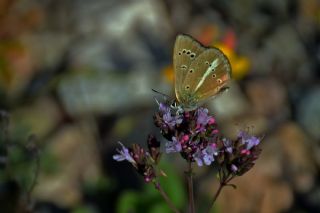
<point>188,101</point>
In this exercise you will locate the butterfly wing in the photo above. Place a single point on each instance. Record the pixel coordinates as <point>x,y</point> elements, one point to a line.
<point>216,75</point>
<point>186,50</point>
<point>205,77</point>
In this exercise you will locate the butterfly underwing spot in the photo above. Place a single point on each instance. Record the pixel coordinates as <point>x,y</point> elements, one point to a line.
<point>191,71</point>
<point>207,63</point>
<point>187,87</point>
<point>219,81</point>
<point>179,53</point>
<point>193,55</point>
<point>184,51</point>
<point>188,52</point>
<point>214,75</point>
<point>183,67</point>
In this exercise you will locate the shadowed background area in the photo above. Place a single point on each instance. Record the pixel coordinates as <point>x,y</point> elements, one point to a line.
<point>77,76</point>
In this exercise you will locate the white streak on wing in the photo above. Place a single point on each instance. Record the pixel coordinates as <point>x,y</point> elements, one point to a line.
<point>214,64</point>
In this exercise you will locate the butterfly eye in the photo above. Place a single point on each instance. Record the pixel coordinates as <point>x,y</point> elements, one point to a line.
<point>219,81</point>
<point>214,75</point>
<point>191,71</point>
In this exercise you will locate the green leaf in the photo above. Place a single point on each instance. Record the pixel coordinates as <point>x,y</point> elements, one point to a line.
<point>160,208</point>
<point>232,185</point>
<point>83,209</point>
<point>128,202</point>
<point>173,185</point>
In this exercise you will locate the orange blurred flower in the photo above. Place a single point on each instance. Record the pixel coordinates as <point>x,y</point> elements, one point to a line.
<point>240,64</point>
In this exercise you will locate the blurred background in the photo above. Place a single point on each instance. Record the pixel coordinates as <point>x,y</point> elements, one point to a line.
<point>76,77</point>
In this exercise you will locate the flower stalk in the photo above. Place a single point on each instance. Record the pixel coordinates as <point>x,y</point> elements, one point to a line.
<point>221,185</point>
<point>165,197</point>
<point>189,175</point>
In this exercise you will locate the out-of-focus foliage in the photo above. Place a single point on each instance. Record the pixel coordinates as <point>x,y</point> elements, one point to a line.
<point>149,199</point>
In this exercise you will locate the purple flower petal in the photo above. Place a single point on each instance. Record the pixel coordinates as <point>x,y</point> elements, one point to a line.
<point>164,108</point>
<point>197,156</point>
<point>173,146</point>
<point>234,168</point>
<point>253,141</point>
<point>203,117</point>
<point>170,120</point>
<point>123,154</point>
<point>208,159</point>
<point>208,154</point>
<point>249,140</point>
<point>200,128</point>
<point>228,145</point>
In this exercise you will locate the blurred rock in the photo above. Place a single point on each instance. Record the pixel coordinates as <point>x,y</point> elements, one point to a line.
<point>76,156</point>
<point>16,67</point>
<point>229,104</point>
<point>47,49</point>
<point>246,198</point>
<point>114,35</point>
<point>234,113</point>
<point>117,19</point>
<point>298,160</point>
<point>108,93</point>
<point>308,112</point>
<point>268,97</point>
<point>38,118</point>
<point>255,124</point>
<point>283,54</point>
<point>308,19</point>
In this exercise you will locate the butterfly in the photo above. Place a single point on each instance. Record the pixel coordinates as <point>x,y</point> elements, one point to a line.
<point>200,72</point>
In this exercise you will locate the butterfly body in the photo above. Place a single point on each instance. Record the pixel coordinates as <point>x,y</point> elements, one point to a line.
<point>200,72</point>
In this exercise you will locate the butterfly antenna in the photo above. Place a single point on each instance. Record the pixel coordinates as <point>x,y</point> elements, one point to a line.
<point>156,101</point>
<point>160,93</point>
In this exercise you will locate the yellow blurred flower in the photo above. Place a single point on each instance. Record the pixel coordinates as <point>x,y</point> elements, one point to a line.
<point>240,64</point>
<point>168,73</point>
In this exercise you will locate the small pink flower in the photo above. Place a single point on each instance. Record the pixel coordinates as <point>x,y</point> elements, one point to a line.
<point>185,138</point>
<point>213,145</point>
<point>198,126</point>
<point>215,131</point>
<point>245,152</point>
<point>147,179</point>
<point>211,121</point>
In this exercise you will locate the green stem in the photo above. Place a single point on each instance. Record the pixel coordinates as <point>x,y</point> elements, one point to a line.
<point>224,180</point>
<point>189,175</point>
<point>165,197</point>
<point>222,184</point>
